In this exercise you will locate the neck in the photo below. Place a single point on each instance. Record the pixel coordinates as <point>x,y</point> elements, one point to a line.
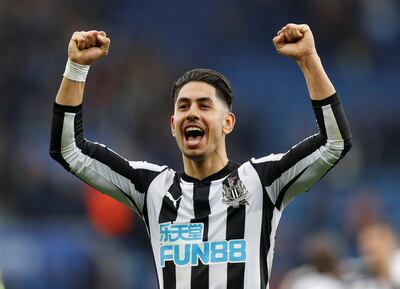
<point>383,270</point>
<point>200,169</point>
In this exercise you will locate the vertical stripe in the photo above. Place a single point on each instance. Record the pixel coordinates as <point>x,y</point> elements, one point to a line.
<point>153,208</point>
<point>169,275</point>
<point>57,128</point>
<point>201,205</point>
<point>253,225</point>
<point>332,129</point>
<point>320,120</point>
<point>235,226</point>
<point>217,232</point>
<point>265,240</point>
<point>168,213</point>
<point>274,226</point>
<point>341,119</point>
<point>55,139</point>
<point>170,202</point>
<point>185,214</point>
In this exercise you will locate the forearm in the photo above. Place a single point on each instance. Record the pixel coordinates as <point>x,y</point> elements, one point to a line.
<point>318,83</point>
<point>94,163</point>
<point>315,156</point>
<point>70,92</point>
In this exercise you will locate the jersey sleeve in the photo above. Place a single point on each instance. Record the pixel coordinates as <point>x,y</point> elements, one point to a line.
<point>286,175</point>
<point>97,165</point>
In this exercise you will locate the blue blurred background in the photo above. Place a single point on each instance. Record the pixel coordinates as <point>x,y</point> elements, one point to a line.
<point>54,232</point>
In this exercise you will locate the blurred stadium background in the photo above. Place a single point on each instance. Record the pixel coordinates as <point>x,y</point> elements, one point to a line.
<point>54,231</point>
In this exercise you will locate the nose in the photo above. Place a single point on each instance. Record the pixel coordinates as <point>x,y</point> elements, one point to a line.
<point>192,113</point>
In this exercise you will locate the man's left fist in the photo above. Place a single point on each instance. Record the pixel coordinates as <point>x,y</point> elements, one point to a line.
<point>295,41</point>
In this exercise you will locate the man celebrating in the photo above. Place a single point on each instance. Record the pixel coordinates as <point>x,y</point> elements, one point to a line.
<point>213,225</point>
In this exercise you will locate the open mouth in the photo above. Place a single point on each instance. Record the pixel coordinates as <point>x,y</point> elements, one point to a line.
<point>193,134</point>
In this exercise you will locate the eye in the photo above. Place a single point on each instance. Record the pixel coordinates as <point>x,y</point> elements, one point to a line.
<point>182,106</point>
<point>204,106</point>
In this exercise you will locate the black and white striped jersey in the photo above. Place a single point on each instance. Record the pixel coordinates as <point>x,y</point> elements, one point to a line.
<point>214,233</point>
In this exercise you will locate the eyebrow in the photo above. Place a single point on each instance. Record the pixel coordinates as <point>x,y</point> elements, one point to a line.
<point>199,99</point>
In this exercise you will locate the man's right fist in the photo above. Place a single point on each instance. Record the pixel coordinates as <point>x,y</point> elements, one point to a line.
<point>85,47</point>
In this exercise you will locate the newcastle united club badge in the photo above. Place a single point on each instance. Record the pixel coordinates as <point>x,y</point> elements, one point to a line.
<point>235,193</point>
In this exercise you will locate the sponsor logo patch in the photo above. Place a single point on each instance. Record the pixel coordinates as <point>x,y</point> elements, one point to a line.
<point>182,244</point>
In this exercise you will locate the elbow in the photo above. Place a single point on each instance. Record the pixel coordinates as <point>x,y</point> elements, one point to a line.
<point>55,146</point>
<point>54,149</point>
<point>54,154</point>
<point>57,156</point>
<point>336,150</point>
<point>347,145</point>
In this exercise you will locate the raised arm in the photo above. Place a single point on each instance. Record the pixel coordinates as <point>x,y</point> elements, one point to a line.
<point>94,163</point>
<point>286,175</point>
<point>84,48</point>
<point>297,42</point>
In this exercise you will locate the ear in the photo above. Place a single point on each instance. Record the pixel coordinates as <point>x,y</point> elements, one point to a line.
<point>172,125</point>
<point>229,123</point>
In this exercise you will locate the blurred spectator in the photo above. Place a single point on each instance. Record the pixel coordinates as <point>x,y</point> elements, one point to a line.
<point>322,253</point>
<point>380,20</point>
<point>363,207</point>
<point>379,264</point>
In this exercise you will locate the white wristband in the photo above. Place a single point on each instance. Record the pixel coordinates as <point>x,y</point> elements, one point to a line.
<point>75,71</point>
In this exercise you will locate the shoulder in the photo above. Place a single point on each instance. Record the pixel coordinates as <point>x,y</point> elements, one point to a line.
<point>143,174</point>
<point>148,166</point>
<point>269,158</point>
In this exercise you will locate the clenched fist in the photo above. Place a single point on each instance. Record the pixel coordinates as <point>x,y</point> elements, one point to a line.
<point>295,41</point>
<point>85,47</point>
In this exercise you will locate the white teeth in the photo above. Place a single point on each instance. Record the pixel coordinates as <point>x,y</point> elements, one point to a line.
<point>193,128</point>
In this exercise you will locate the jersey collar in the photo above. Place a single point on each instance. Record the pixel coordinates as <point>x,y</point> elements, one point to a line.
<point>230,167</point>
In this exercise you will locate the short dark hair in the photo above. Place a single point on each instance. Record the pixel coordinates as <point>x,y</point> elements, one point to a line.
<point>209,76</point>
